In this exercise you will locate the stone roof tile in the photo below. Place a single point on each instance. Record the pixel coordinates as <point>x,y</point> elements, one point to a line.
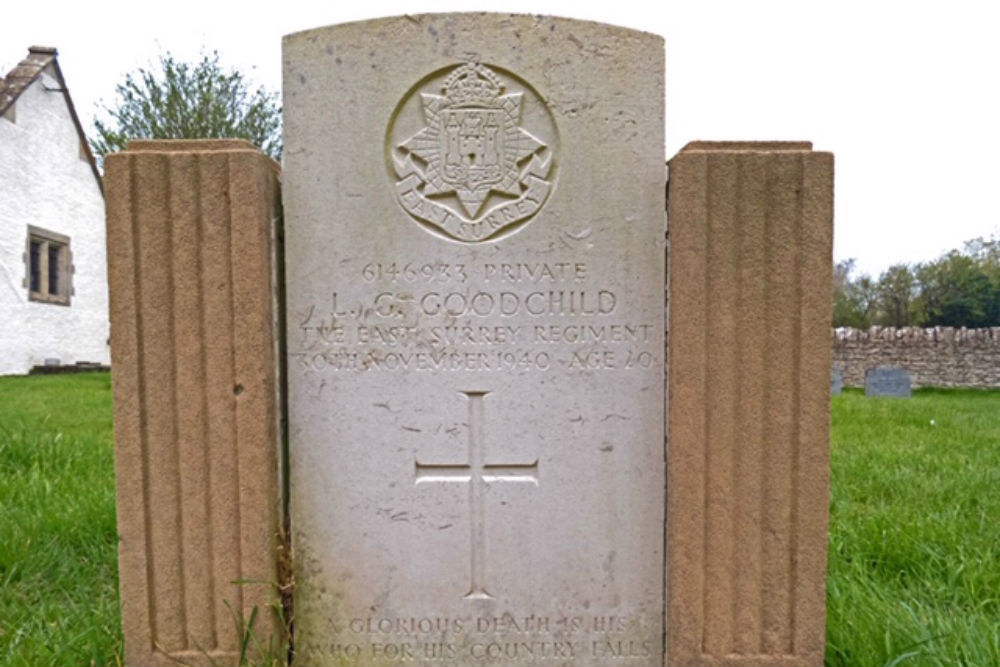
<point>25,73</point>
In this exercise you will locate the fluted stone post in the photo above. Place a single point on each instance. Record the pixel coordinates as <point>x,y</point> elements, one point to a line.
<point>192,264</point>
<point>750,229</point>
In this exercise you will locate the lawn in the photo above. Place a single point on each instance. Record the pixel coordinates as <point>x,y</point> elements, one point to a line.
<point>58,562</point>
<point>914,533</point>
<point>914,576</point>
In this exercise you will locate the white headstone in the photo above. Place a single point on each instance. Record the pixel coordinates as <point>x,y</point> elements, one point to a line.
<point>475,229</point>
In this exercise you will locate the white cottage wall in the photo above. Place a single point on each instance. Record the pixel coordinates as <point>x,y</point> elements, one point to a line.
<point>46,182</point>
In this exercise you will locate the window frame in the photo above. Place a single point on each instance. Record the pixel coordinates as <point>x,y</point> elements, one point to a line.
<point>48,240</point>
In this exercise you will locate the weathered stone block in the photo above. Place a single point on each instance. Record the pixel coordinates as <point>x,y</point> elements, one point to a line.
<point>748,437</point>
<point>192,252</point>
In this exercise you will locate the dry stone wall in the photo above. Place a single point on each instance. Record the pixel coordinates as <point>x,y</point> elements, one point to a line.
<point>934,357</point>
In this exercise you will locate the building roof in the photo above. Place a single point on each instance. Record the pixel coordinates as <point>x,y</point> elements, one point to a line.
<point>25,73</point>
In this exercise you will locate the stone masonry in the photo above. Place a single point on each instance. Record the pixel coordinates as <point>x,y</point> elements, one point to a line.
<point>934,357</point>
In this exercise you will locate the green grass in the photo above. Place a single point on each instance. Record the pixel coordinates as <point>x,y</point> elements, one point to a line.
<point>914,576</point>
<point>58,545</point>
<point>914,532</point>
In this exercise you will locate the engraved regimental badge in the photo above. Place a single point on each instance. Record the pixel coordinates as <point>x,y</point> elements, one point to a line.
<point>472,152</point>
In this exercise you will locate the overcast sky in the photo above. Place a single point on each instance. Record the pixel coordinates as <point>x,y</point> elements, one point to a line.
<point>907,95</point>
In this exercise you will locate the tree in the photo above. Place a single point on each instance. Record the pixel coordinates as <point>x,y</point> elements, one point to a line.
<point>182,100</point>
<point>959,289</point>
<point>853,300</point>
<point>956,291</point>
<point>986,252</point>
<point>897,292</point>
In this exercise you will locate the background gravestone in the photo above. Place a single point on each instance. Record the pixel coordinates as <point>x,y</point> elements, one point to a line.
<point>888,381</point>
<point>836,381</point>
<point>475,226</point>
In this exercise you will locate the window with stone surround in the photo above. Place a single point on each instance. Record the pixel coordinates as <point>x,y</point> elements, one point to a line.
<point>48,267</point>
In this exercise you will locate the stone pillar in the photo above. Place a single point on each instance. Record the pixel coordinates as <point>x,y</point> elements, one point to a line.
<point>750,227</point>
<point>192,257</point>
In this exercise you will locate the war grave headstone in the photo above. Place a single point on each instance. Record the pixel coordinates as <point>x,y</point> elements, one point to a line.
<point>475,226</point>
<point>889,381</point>
<point>481,467</point>
<point>836,381</point>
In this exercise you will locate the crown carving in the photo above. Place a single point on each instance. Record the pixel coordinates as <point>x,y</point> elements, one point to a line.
<point>472,85</point>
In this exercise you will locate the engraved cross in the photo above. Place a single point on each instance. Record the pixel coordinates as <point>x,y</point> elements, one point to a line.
<point>477,475</point>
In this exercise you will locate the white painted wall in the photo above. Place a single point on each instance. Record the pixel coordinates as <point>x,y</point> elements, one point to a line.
<point>45,183</point>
